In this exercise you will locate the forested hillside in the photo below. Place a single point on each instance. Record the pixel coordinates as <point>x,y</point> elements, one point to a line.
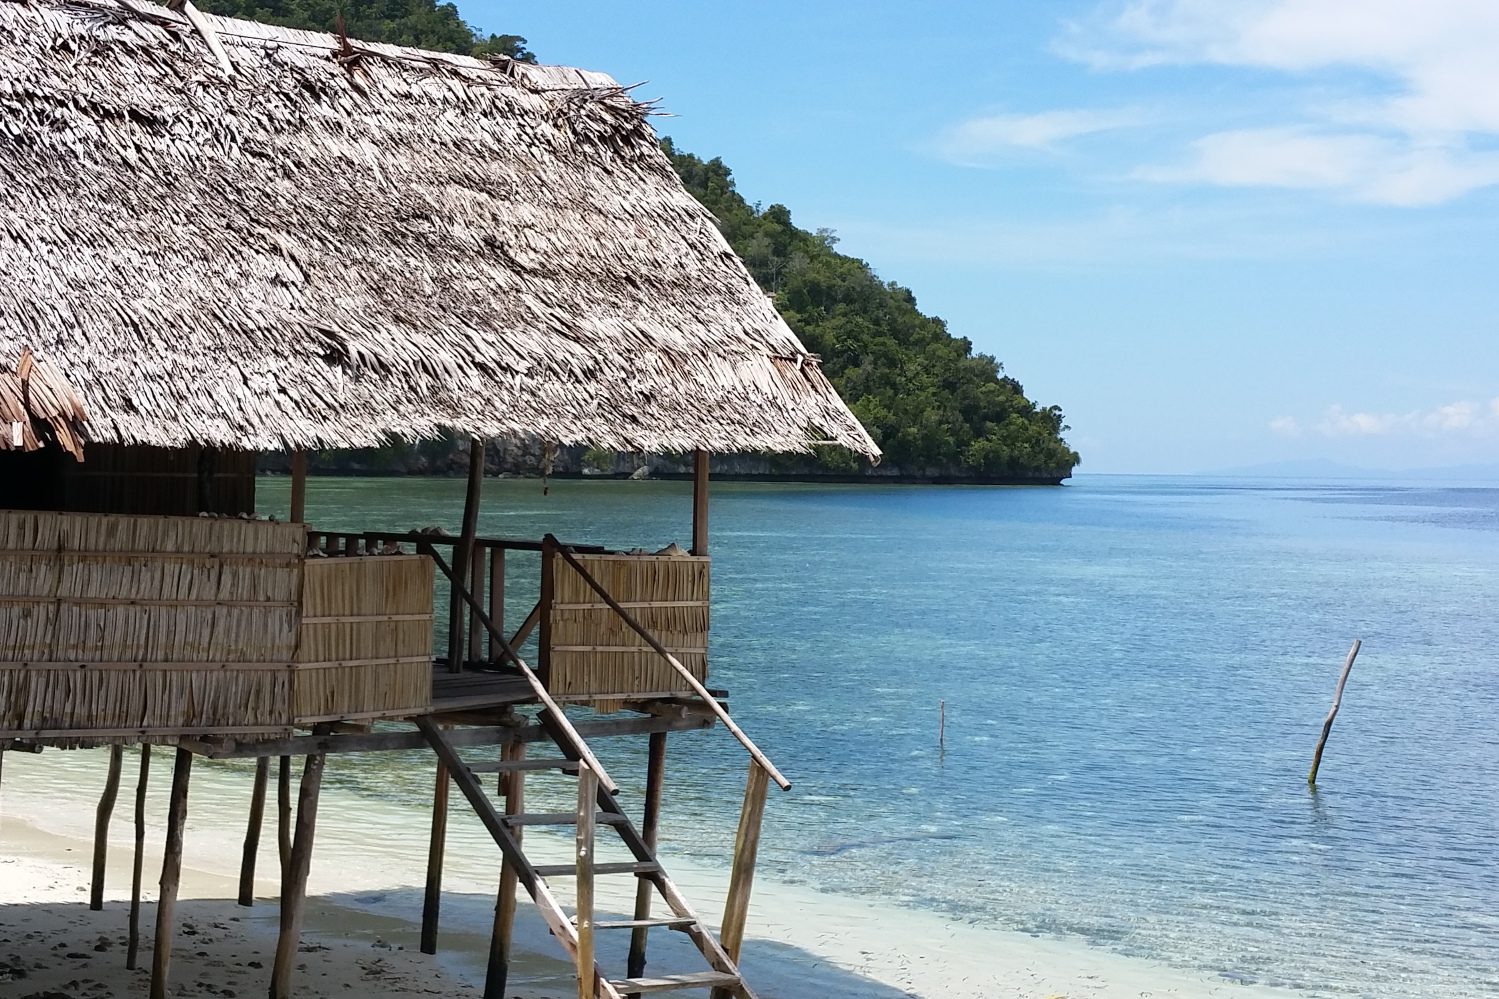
<point>927,399</point>
<point>934,406</point>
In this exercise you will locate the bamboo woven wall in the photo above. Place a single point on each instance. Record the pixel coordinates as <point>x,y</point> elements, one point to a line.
<point>125,627</point>
<point>373,614</point>
<point>591,651</point>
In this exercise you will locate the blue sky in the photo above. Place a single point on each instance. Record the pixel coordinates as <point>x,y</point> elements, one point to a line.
<point>1216,232</point>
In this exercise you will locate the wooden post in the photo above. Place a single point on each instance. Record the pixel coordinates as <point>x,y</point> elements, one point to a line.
<point>544,611</point>
<point>171,875</point>
<point>700,502</point>
<point>432,904</point>
<point>207,469</point>
<point>588,806</point>
<point>252,833</point>
<point>294,886</point>
<point>496,598</point>
<point>742,877</point>
<point>1337,700</point>
<point>514,786</point>
<point>476,631</point>
<point>101,826</point>
<point>283,813</point>
<point>462,552</point>
<point>133,936</point>
<point>298,487</point>
<point>655,778</point>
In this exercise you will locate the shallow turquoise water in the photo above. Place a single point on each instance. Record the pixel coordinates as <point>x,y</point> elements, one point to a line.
<point>1135,671</point>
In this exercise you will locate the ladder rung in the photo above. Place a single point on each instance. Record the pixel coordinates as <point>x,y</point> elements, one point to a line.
<point>633,924</point>
<point>568,870</point>
<point>507,766</point>
<point>703,979</point>
<point>562,819</point>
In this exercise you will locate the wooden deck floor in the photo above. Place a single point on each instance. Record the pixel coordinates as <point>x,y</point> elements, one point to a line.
<point>471,690</point>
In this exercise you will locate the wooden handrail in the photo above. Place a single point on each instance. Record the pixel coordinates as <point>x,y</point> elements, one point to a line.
<point>579,746</point>
<point>693,681</point>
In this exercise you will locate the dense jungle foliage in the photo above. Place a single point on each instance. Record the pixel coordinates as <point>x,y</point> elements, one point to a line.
<point>927,399</point>
<point>425,24</point>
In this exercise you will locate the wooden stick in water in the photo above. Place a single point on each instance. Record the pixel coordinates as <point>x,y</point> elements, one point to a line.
<point>252,832</point>
<point>941,724</point>
<point>133,938</point>
<point>1337,700</point>
<point>655,778</point>
<point>101,826</point>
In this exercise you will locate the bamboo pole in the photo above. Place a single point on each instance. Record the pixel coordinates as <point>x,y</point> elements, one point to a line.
<point>700,502</point>
<point>252,832</point>
<point>171,875</point>
<point>476,575</point>
<point>496,598</point>
<point>588,793</point>
<point>294,885</point>
<point>742,876</point>
<point>101,826</point>
<point>655,779</point>
<point>432,903</point>
<point>463,552</point>
<point>298,487</point>
<point>283,813</point>
<point>514,785</point>
<point>133,935</point>
<point>1337,700</point>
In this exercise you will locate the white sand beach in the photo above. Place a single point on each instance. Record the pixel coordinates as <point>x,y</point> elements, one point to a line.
<point>362,927</point>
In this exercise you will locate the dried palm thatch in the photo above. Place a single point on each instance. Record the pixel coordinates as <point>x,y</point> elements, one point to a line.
<point>591,651</point>
<point>327,244</point>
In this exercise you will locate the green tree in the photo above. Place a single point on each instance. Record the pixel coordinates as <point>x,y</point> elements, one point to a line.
<point>423,24</point>
<point>926,398</point>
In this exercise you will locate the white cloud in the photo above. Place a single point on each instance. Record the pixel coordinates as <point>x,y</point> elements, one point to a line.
<point>1435,65</point>
<point>1285,426</point>
<point>979,140</point>
<point>1455,418</point>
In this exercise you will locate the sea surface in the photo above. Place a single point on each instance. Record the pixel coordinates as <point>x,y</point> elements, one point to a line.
<point>1133,672</point>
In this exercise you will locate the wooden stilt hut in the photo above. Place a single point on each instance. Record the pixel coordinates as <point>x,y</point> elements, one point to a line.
<point>219,237</point>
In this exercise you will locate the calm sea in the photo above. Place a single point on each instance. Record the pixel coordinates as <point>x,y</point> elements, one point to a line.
<point>1135,671</point>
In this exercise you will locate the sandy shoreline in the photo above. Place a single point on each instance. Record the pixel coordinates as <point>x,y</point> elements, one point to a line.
<point>362,924</point>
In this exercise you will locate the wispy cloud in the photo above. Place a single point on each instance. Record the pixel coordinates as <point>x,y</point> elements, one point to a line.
<point>1404,136</point>
<point>1468,418</point>
<point>979,141</point>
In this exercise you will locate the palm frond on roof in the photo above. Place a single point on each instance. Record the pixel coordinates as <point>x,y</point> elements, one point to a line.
<point>330,244</point>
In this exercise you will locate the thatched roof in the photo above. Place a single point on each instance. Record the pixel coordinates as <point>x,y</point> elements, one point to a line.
<point>330,243</point>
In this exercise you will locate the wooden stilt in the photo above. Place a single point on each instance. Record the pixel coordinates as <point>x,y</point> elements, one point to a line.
<point>298,487</point>
<point>476,631</point>
<point>133,934</point>
<point>294,886</point>
<point>514,786</point>
<point>101,826</point>
<point>432,905</point>
<point>283,813</point>
<point>171,875</point>
<point>700,503</point>
<point>588,793</point>
<point>655,776</point>
<point>496,598</point>
<point>742,876</point>
<point>252,832</point>
<point>463,551</point>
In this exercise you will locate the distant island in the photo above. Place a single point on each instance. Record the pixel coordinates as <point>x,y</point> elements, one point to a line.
<point>939,411</point>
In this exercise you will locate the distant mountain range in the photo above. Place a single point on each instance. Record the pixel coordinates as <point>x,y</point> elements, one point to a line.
<point>1322,468</point>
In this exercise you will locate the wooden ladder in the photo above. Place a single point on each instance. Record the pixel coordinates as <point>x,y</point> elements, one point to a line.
<point>596,806</point>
